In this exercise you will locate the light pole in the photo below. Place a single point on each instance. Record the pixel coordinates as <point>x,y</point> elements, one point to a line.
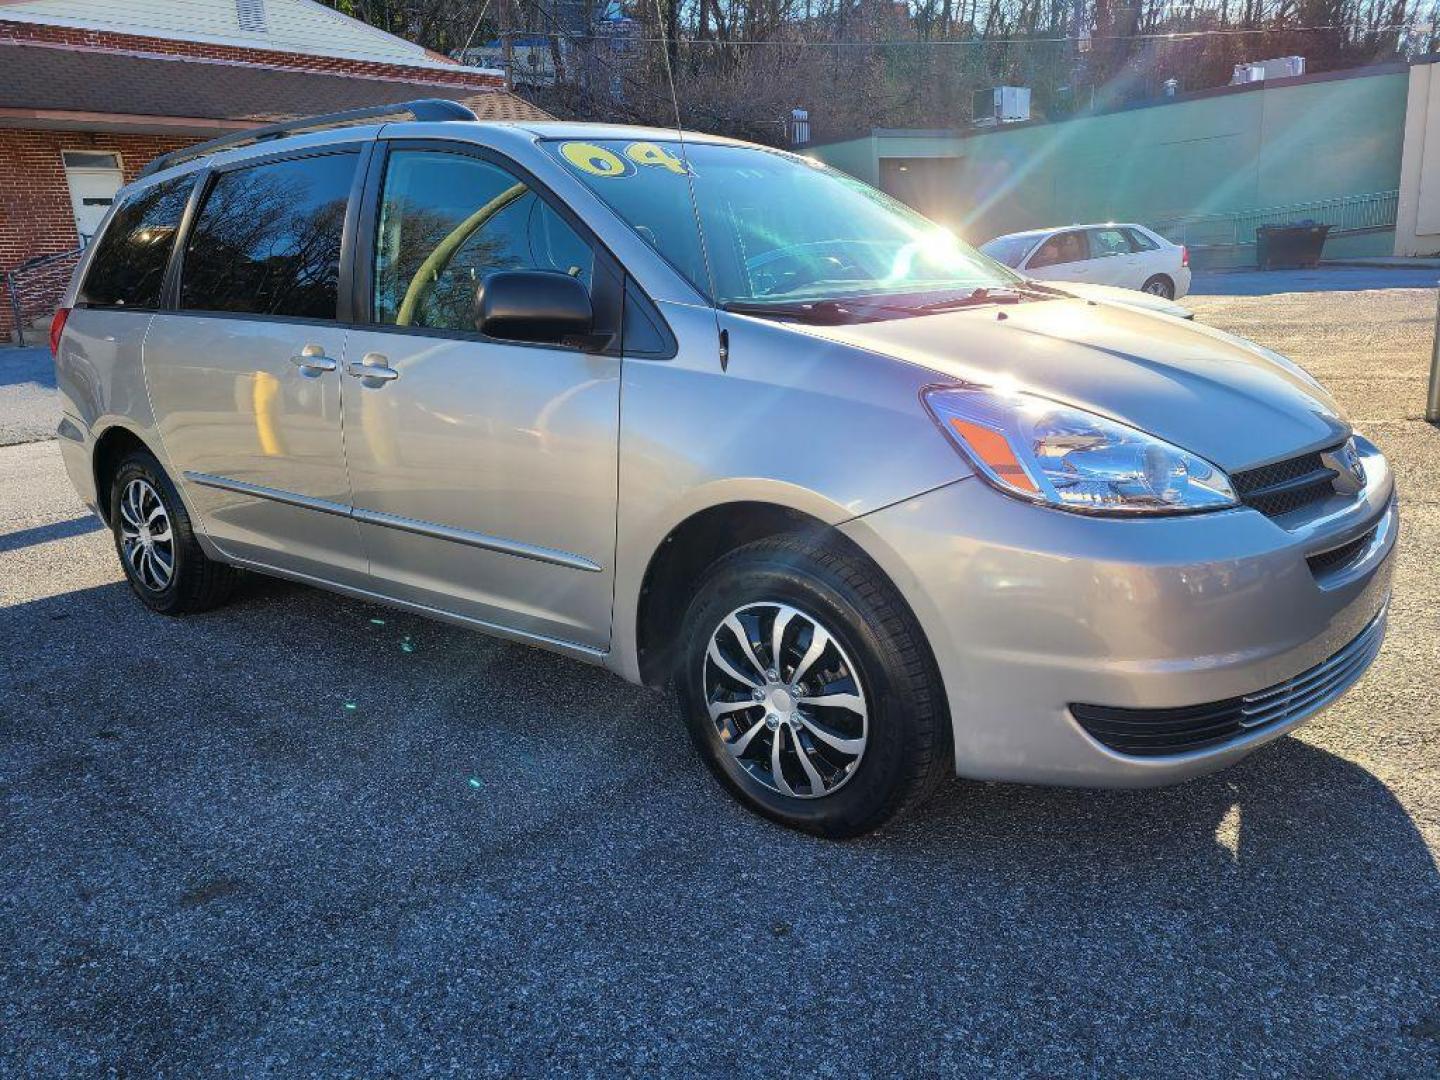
<point>1432,399</point>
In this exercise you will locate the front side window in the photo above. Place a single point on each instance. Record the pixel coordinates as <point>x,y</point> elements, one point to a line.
<point>128,267</point>
<point>1062,248</point>
<point>447,221</point>
<point>267,239</point>
<point>777,228</point>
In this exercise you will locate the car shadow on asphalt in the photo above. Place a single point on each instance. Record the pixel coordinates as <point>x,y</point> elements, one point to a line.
<point>1287,798</point>
<point>1286,795</point>
<point>56,530</point>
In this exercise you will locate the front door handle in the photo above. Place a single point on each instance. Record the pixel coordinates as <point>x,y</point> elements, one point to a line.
<point>373,366</point>
<point>312,360</point>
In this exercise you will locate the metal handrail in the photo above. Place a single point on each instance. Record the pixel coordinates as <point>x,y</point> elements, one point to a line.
<point>1345,214</point>
<point>427,109</point>
<point>27,268</point>
<point>44,260</point>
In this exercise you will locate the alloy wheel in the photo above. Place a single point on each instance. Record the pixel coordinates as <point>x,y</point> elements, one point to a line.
<point>785,699</point>
<point>146,541</point>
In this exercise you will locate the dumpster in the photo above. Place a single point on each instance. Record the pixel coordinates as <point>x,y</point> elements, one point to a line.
<point>1284,246</point>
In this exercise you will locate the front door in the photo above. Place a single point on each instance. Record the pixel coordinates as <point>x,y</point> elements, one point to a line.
<point>93,178</point>
<point>1062,257</point>
<point>245,377</point>
<point>484,472</point>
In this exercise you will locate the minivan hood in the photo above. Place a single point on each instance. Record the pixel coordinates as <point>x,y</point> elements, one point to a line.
<point>1206,391</point>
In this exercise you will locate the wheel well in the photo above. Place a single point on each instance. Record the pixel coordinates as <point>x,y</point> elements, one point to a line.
<point>683,556</point>
<point>1161,277</point>
<point>112,448</point>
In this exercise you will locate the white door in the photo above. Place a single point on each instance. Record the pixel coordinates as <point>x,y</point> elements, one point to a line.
<point>1063,257</point>
<point>1113,260</point>
<point>94,178</point>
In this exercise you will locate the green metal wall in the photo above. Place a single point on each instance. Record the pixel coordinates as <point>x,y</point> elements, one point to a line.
<point>1273,145</point>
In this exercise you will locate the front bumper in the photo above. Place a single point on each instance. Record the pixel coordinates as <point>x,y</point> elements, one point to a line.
<point>1030,610</point>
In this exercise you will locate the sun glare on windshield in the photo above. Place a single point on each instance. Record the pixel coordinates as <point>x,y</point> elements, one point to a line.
<point>776,228</point>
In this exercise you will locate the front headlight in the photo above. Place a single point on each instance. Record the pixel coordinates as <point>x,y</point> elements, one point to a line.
<point>1045,452</point>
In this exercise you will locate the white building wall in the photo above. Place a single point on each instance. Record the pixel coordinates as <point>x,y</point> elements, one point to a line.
<point>1417,225</point>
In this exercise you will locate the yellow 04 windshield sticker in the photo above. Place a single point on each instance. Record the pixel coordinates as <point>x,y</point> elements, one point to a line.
<point>649,153</point>
<point>596,160</point>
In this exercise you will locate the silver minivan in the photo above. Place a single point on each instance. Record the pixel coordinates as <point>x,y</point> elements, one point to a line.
<point>719,417</point>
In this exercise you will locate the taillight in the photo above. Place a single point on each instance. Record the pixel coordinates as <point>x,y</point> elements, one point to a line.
<point>1184,255</point>
<point>57,327</point>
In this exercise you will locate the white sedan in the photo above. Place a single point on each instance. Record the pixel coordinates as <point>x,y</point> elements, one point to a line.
<point>1128,256</point>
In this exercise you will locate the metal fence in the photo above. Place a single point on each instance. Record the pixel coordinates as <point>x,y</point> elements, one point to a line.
<point>33,289</point>
<point>1347,214</point>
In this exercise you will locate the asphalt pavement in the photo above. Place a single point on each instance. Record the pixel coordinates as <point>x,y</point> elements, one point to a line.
<point>28,407</point>
<point>1321,279</point>
<point>303,835</point>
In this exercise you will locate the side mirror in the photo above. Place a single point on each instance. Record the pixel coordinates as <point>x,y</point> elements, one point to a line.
<point>539,306</point>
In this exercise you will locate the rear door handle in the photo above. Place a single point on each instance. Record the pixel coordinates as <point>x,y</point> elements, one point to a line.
<point>373,366</point>
<point>312,360</point>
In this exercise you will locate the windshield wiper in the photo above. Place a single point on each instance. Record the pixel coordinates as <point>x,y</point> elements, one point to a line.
<point>1008,294</point>
<point>863,308</point>
<point>825,312</point>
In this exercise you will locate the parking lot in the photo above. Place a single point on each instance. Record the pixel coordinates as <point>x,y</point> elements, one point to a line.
<point>305,835</point>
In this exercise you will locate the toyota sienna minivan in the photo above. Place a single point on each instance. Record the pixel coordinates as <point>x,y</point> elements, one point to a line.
<point>713,415</point>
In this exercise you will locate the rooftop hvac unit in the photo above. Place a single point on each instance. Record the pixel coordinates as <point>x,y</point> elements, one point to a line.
<point>1281,67</point>
<point>1001,105</point>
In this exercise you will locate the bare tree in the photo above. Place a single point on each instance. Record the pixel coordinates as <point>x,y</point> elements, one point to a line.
<point>740,66</point>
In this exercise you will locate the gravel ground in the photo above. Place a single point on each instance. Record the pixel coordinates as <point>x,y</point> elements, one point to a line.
<point>307,836</point>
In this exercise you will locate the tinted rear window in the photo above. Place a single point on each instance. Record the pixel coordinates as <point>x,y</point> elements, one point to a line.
<point>267,239</point>
<point>128,267</point>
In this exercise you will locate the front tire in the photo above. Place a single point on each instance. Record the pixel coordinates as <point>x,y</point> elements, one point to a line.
<point>1159,285</point>
<point>809,689</point>
<point>162,560</point>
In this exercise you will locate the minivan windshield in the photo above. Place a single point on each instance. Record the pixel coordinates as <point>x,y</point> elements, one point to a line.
<point>778,229</point>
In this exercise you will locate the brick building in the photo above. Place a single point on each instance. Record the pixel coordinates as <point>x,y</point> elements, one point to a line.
<point>91,90</point>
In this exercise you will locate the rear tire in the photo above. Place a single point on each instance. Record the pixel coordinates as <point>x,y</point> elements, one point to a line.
<point>162,560</point>
<point>863,728</point>
<point>1159,285</point>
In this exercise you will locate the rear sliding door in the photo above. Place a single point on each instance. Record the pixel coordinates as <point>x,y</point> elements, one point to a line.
<point>245,375</point>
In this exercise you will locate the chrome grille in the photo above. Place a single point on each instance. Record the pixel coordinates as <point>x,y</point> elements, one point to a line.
<point>1157,732</point>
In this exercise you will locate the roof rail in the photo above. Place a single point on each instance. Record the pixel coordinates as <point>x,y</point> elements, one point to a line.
<point>420,109</point>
